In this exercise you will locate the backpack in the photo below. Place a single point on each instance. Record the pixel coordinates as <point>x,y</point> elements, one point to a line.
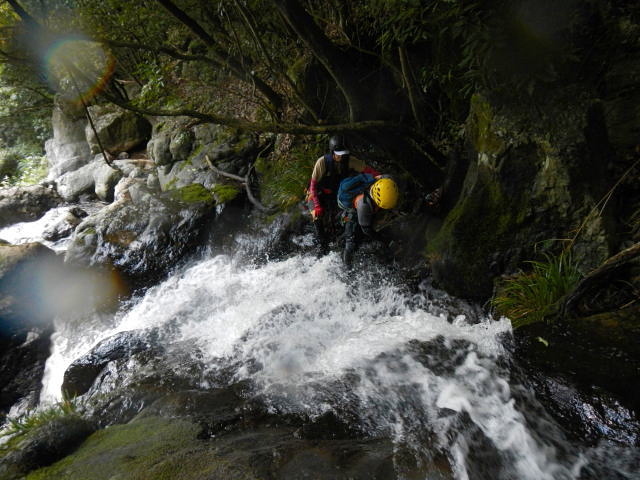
<point>351,187</point>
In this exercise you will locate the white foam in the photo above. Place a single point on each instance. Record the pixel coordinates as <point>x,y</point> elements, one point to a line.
<point>307,324</point>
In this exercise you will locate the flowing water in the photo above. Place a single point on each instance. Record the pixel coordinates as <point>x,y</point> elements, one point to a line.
<point>429,372</point>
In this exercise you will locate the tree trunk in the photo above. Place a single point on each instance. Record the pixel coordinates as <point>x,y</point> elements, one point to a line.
<point>331,58</point>
<point>599,279</point>
<point>234,65</point>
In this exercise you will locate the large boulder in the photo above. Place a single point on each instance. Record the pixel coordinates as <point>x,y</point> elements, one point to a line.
<point>118,130</point>
<point>179,149</point>
<point>81,374</point>
<point>94,179</point>
<point>26,204</point>
<point>526,184</point>
<point>43,445</point>
<point>144,233</point>
<point>68,150</point>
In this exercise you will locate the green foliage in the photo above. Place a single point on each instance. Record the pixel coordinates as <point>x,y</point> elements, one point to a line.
<point>18,429</point>
<point>20,167</point>
<point>286,173</point>
<point>530,297</point>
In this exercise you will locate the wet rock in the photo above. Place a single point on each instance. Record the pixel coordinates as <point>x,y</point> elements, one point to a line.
<point>144,236</point>
<point>589,414</point>
<point>586,370</point>
<point>45,445</point>
<point>81,374</point>
<point>247,442</point>
<point>26,204</point>
<point>65,226</point>
<point>22,358</point>
<point>119,130</point>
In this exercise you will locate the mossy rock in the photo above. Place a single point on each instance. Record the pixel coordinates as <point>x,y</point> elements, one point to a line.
<point>481,128</point>
<point>42,445</point>
<point>599,351</point>
<point>194,193</point>
<point>465,253</point>
<point>224,193</point>
<point>150,448</point>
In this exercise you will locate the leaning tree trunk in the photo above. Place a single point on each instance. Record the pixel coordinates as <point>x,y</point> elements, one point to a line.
<point>599,279</point>
<point>332,58</point>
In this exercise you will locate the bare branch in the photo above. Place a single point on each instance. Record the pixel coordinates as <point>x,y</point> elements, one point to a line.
<point>245,182</point>
<point>237,67</point>
<point>273,127</point>
<point>157,50</point>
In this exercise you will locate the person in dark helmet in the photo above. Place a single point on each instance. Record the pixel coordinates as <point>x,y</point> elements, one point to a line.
<point>328,172</point>
<point>361,198</point>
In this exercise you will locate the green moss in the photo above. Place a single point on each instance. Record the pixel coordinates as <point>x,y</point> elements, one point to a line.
<point>194,193</point>
<point>243,143</point>
<point>150,448</point>
<point>297,68</point>
<point>224,193</point>
<point>480,125</point>
<point>285,177</point>
<point>170,185</point>
<point>481,224</point>
<point>87,231</point>
<point>196,151</point>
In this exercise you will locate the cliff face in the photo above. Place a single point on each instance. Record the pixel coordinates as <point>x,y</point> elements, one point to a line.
<point>546,170</point>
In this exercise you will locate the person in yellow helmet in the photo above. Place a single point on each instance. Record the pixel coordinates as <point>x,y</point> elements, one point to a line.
<point>327,173</point>
<point>361,197</point>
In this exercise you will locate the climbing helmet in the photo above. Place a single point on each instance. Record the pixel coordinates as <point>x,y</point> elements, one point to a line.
<point>385,193</point>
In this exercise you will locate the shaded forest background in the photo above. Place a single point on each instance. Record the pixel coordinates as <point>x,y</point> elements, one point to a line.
<point>398,74</point>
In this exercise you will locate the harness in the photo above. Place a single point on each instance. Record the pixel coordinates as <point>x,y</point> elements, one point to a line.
<point>333,175</point>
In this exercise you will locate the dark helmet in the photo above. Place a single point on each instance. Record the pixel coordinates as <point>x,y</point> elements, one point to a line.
<point>337,144</point>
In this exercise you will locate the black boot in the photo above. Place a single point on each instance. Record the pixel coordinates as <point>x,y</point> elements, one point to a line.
<point>349,242</point>
<point>321,238</point>
<point>347,253</point>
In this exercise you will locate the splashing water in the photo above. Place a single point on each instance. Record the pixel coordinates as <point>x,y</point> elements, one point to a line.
<point>314,339</point>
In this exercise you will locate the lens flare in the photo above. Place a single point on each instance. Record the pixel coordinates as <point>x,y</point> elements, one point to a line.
<point>78,68</point>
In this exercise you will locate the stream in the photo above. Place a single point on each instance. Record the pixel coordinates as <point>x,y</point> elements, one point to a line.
<point>426,370</point>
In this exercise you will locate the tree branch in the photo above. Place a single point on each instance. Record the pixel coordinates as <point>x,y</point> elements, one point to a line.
<point>272,127</point>
<point>234,65</point>
<point>332,59</point>
<point>253,29</point>
<point>159,50</point>
<point>245,182</point>
<point>595,280</point>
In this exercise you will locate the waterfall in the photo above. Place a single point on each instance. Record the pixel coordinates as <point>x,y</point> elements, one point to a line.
<point>423,369</point>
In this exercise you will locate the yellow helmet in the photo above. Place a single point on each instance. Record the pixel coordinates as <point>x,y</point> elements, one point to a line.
<point>385,193</point>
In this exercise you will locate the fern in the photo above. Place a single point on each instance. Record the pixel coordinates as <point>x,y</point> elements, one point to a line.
<point>531,297</point>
